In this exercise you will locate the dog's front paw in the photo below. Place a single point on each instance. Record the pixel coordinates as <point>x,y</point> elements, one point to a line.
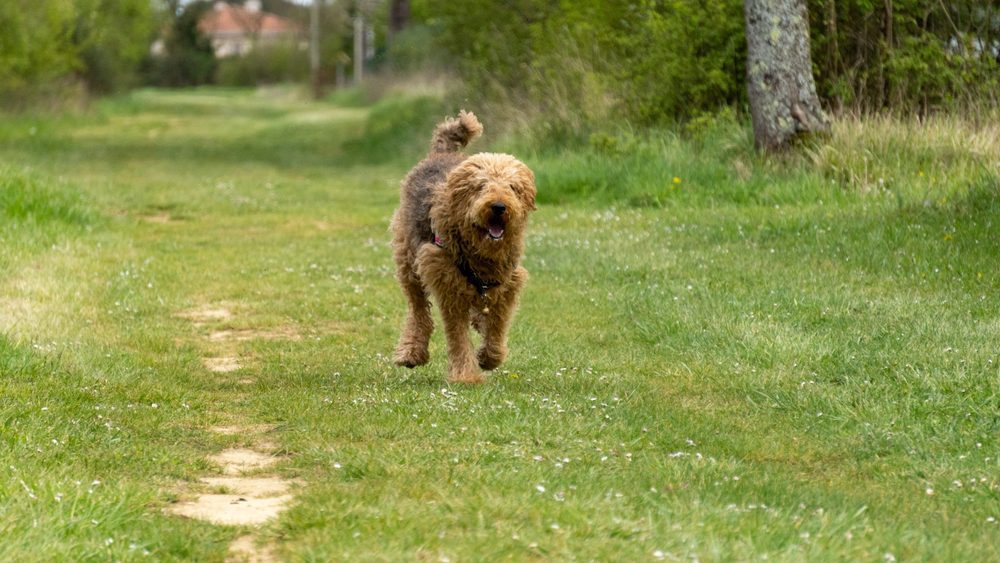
<point>490,358</point>
<point>409,357</point>
<point>471,377</point>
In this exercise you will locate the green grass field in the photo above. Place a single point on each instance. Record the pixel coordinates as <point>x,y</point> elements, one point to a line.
<point>716,358</point>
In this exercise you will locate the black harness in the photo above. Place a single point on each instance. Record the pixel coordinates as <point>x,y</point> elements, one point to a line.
<point>481,285</point>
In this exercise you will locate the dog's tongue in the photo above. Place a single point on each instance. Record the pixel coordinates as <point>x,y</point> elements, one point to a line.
<point>496,231</point>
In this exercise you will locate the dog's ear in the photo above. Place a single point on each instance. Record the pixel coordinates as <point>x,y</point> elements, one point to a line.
<point>525,187</point>
<point>461,176</point>
<point>450,202</point>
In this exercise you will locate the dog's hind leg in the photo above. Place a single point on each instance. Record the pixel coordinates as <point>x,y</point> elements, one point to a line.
<point>494,324</point>
<point>412,348</point>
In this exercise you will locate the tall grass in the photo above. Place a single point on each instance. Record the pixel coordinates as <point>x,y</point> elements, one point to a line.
<point>592,157</point>
<point>713,160</point>
<point>927,158</point>
<point>25,198</point>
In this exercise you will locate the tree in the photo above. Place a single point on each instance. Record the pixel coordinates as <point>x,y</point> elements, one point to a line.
<point>112,38</point>
<point>189,58</point>
<point>399,16</point>
<point>780,85</point>
<point>314,51</point>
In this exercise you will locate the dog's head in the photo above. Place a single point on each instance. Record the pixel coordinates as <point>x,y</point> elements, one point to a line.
<point>487,199</point>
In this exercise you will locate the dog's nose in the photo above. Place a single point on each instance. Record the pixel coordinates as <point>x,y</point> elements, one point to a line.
<point>498,208</point>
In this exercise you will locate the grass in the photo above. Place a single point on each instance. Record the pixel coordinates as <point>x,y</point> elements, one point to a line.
<point>764,359</point>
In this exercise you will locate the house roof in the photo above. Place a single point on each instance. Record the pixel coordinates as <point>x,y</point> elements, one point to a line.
<point>225,19</point>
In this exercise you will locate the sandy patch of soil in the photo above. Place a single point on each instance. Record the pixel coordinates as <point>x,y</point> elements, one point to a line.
<point>245,334</point>
<point>224,364</point>
<point>238,461</point>
<point>243,550</point>
<point>238,500</point>
<point>206,315</point>
<point>248,486</point>
<point>235,429</point>
<point>232,510</point>
<point>158,218</point>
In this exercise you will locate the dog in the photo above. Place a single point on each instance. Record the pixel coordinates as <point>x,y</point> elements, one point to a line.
<point>458,236</point>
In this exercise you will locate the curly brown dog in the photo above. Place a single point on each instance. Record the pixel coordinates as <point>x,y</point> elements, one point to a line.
<point>458,235</point>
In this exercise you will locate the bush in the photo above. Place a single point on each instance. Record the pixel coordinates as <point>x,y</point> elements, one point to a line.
<point>49,48</point>
<point>113,38</point>
<point>189,59</point>
<point>414,50</point>
<point>682,58</point>
<point>266,64</point>
<point>398,128</point>
<point>569,68</point>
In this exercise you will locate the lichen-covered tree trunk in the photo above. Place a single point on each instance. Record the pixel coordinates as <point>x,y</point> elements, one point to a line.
<point>780,85</point>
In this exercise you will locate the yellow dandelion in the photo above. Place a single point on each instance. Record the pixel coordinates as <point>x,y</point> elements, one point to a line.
<point>515,376</point>
<point>920,173</point>
<point>677,180</point>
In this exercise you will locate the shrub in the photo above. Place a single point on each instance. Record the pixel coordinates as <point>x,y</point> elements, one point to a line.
<point>397,128</point>
<point>571,67</point>
<point>414,50</point>
<point>189,59</point>
<point>49,48</point>
<point>265,64</point>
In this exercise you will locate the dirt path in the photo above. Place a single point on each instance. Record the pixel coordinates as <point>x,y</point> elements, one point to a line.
<point>245,491</point>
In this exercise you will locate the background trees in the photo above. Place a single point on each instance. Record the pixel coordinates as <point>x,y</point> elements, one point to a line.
<point>49,47</point>
<point>187,58</point>
<point>656,61</point>
<point>649,62</point>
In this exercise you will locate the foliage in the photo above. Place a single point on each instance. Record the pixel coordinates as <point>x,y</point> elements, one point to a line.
<point>415,50</point>
<point>576,64</point>
<point>909,55</point>
<point>188,58</point>
<point>113,37</point>
<point>46,46</point>
<point>397,129</point>
<point>36,49</point>
<point>265,64</point>
<point>713,160</point>
<point>680,57</point>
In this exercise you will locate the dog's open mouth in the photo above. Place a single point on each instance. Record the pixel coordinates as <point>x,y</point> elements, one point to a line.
<point>494,228</point>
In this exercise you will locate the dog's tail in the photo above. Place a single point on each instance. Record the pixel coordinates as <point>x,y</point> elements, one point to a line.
<point>451,135</point>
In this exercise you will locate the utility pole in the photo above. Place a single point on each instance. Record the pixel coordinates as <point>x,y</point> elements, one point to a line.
<point>359,47</point>
<point>314,68</point>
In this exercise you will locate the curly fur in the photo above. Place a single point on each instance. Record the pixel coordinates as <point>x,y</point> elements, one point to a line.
<point>478,207</point>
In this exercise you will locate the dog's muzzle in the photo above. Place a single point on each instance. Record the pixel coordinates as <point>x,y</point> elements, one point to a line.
<point>495,225</point>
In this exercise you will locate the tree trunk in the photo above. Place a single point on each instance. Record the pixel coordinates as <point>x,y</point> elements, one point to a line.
<point>359,48</point>
<point>780,85</point>
<point>314,62</point>
<point>399,16</point>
